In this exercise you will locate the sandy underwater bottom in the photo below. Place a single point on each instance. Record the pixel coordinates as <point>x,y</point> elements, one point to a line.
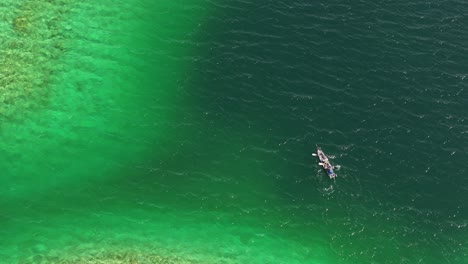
<point>64,122</point>
<point>142,236</point>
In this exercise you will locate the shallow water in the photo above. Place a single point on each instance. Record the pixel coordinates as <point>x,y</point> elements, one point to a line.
<point>140,130</point>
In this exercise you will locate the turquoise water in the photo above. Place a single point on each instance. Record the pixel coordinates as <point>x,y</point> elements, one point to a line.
<point>161,132</point>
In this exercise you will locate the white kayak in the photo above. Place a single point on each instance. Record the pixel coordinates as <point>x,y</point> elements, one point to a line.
<point>325,163</point>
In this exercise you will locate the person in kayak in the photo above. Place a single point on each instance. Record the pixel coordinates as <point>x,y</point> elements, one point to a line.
<point>329,168</point>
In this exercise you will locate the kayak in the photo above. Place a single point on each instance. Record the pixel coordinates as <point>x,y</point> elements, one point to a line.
<point>325,163</point>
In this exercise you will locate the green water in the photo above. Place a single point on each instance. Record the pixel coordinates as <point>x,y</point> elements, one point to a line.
<point>182,132</point>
